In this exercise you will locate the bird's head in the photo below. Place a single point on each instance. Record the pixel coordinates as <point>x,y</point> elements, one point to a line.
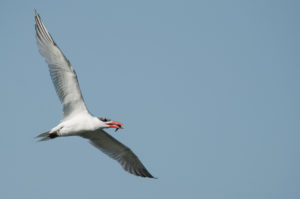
<point>111,124</point>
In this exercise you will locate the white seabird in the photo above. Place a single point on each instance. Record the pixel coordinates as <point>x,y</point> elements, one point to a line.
<point>77,121</point>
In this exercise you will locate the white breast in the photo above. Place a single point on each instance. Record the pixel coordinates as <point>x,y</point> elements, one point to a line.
<point>79,124</point>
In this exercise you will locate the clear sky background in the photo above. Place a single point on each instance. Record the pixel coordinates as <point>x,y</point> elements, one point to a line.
<point>208,91</point>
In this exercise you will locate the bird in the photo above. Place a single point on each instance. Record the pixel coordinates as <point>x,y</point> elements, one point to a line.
<point>77,120</point>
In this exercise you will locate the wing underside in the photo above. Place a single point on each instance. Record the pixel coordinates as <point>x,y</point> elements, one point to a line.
<point>118,151</point>
<point>62,73</point>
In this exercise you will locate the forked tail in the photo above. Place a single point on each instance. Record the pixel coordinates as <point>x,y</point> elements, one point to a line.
<point>46,136</point>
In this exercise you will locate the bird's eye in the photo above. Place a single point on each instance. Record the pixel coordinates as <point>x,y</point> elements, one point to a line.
<point>103,119</point>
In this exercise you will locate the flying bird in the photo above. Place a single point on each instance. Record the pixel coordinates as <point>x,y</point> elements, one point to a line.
<point>77,121</point>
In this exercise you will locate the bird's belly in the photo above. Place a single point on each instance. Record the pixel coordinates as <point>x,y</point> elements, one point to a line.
<point>78,126</point>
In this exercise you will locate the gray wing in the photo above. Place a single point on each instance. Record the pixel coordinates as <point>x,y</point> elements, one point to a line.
<point>118,151</point>
<point>62,74</point>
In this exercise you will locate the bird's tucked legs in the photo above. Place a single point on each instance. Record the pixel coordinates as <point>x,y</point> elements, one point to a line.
<point>53,135</point>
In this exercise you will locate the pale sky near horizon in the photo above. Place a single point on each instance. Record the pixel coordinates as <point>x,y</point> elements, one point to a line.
<point>208,92</point>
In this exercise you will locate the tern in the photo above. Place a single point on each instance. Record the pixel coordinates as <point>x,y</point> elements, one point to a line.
<point>77,121</point>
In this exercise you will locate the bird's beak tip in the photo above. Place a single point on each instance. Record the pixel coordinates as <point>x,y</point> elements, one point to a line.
<point>116,125</point>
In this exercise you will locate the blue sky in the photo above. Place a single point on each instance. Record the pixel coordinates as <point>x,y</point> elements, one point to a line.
<point>208,92</point>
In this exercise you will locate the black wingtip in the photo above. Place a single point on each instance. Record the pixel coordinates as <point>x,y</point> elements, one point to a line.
<point>145,174</point>
<point>155,178</point>
<point>151,176</point>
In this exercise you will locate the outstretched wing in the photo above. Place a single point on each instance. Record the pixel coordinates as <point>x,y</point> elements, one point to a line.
<point>118,151</point>
<point>62,74</point>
